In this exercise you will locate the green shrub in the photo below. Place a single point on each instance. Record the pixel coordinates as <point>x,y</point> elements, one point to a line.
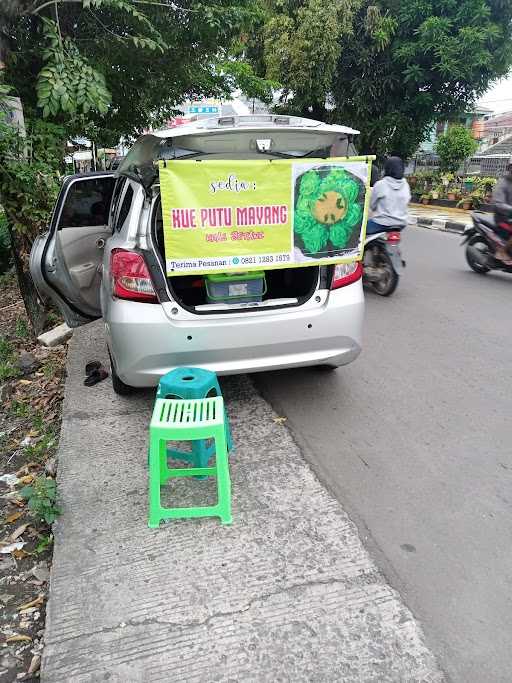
<point>5,244</point>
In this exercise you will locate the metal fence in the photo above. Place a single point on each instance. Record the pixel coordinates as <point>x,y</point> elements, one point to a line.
<point>488,165</point>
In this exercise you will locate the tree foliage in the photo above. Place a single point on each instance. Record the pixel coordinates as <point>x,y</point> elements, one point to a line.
<point>454,147</point>
<point>397,66</point>
<point>29,182</point>
<point>302,42</point>
<point>118,66</point>
<point>29,176</point>
<point>104,69</point>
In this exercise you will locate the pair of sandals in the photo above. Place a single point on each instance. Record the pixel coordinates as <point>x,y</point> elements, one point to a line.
<point>95,372</point>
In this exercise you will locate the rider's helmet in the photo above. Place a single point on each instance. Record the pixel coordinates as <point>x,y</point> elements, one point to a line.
<point>394,167</point>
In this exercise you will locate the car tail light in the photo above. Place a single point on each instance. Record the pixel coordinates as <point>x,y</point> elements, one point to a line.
<point>393,237</point>
<point>130,277</point>
<point>346,273</point>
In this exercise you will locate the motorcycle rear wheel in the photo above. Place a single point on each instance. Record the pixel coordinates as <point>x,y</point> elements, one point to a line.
<point>473,263</point>
<point>389,282</point>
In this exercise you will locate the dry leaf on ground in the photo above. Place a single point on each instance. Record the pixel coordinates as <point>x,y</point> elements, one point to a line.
<point>17,532</point>
<point>34,664</point>
<point>14,516</point>
<point>33,603</point>
<point>19,638</point>
<point>20,554</point>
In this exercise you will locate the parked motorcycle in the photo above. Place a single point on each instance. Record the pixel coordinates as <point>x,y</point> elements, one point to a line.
<point>383,261</point>
<point>482,242</point>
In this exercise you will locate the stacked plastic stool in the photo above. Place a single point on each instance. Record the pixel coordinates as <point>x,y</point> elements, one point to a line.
<point>188,420</point>
<point>193,383</point>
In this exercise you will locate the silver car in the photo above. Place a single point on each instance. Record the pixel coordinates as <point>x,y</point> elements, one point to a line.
<point>103,256</point>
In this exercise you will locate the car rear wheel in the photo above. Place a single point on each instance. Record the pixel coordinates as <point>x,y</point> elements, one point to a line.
<point>118,385</point>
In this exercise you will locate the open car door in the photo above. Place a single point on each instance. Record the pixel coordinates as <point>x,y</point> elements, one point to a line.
<point>66,261</point>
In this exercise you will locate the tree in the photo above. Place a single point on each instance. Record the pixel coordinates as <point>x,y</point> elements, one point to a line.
<point>29,174</point>
<point>454,147</point>
<point>302,42</point>
<point>106,69</point>
<point>401,64</point>
<point>119,65</point>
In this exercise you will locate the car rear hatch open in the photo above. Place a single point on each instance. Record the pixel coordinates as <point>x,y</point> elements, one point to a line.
<point>237,137</point>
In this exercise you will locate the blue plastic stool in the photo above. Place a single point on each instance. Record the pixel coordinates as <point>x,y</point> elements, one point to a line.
<point>193,383</point>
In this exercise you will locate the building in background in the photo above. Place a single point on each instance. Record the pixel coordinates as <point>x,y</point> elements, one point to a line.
<point>474,121</point>
<point>496,128</point>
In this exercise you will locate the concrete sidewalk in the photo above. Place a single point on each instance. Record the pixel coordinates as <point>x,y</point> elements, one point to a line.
<point>287,593</point>
<point>440,218</point>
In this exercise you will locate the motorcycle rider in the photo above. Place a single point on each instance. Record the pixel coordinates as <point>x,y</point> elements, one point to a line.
<point>502,200</point>
<point>389,199</point>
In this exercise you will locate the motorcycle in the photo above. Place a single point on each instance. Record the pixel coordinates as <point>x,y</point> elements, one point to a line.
<point>383,261</point>
<point>482,242</point>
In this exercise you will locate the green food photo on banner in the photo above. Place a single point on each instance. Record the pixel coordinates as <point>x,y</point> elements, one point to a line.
<point>246,215</point>
<point>329,203</point>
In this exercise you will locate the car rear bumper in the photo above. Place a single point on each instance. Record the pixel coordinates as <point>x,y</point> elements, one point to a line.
<point>145,343</point>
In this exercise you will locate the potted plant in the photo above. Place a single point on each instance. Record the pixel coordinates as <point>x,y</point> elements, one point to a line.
<point>425,198</point>
<point>451,194</point>
<point>477,198</point>
<point>437,192</point>
<point>447,178</point>
<point>486,185</point>
<point>465,203</point>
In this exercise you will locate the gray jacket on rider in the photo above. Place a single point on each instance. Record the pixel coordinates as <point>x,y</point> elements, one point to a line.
<point>389,200</point>
<point>502,199</point>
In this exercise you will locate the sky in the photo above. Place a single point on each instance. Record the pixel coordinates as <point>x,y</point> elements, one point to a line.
<point>499,97</point>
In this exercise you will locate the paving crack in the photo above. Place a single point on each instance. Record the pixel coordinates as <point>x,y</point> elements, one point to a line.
<point>199,623</point>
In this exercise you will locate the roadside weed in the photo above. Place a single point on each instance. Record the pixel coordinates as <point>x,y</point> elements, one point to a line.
<point>21,329</point>
<point>43,544</point>
<point>50,369</point>
<point>41,496</point>
<point>38,421</point>
<point>19,409</point>
<point>8,368</point>
<point>41,449</point>
<point>53,319</point>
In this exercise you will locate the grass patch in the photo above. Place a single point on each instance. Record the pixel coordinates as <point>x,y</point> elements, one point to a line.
<point>8,358</point>
<point>43,447</point>
<point>50,369</point>
<point>21,329</point>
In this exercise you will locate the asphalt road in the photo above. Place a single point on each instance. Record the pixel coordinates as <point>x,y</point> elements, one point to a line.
<point>415,440</point>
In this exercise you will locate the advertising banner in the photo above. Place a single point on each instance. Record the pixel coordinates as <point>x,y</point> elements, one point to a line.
<point>233,216</point>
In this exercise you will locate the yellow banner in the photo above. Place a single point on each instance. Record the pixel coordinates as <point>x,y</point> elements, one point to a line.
<point>222,216</point>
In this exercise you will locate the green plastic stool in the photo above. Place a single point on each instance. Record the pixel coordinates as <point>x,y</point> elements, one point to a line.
<point>188,383</point>
<point>188,420</point>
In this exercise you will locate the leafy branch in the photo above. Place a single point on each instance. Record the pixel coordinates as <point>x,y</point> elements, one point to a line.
<point>67,83</point>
